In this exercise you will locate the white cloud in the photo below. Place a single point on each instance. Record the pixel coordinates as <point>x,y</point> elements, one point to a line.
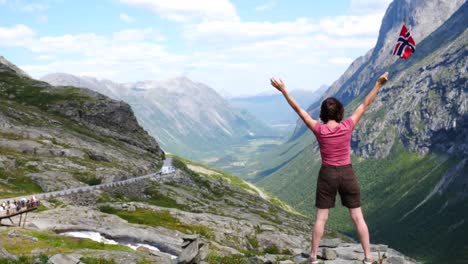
<point>17,35</point>
<point>227,31</point>
<point>45,57</point>
<point>126,18</point>
<point>137,35</point>
<point>68,43</point>
<point>368,6</point>
<point>187,10</point>
<point>221,47</point>
<point>33,7</point>
<point>42,19</point>
<point>340,60</point>
<point>351,25</point>
<point>347,28</point>
<point>265,6</point>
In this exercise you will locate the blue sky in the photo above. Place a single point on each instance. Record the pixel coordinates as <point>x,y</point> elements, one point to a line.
<point>233,46</point>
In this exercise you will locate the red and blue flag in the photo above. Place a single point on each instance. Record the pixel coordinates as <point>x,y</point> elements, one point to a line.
<point>405,45</point>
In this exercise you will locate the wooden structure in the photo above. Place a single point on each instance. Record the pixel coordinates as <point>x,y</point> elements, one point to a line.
<point>22,221</point>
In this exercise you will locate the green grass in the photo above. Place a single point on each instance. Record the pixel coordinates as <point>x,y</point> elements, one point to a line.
<point>16,183</point>
<point>158,218</point>
<point>238,158</point>
<point>233,180</point>
<point>199,180</point>
<point>41,259</point>
<point>87,177</point>
<point>253,241</point>
<point>158,199</point>
<point>90,260</point>
<point>233,259</point>
<point>52,242</point>
<point>32,92</point>
<point>272,250</point>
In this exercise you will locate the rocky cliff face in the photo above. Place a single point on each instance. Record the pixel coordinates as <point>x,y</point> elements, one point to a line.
<point>424,106</point>
<point>423,17</point>
<point>55,138</point>
<point>186,117</point>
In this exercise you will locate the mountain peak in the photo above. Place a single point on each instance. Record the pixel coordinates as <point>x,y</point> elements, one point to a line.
<point>11,67</point>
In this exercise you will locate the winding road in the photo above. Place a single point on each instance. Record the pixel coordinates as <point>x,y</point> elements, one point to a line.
<point>158,175</point>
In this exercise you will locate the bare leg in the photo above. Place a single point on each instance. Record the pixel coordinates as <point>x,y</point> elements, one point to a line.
<point>361,228</point>
<point>319,228</point>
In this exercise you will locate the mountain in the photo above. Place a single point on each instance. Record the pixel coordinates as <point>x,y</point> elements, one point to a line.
<point>409,151</point>
<point>186,117</point>
<point>271,107</point>
<point>422,17</point>
<point>91,150</point>
<point>8,66</point>
<point>55,137</point>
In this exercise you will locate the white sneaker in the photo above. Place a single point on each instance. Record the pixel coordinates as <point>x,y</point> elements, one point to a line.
<point>313,261</point>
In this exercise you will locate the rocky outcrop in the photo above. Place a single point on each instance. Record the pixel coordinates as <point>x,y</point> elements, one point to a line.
<point>95,114</point>
<point>335,251</point>
<point>63,137</point>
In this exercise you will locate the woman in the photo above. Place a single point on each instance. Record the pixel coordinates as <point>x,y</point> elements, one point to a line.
<point>336,173</point>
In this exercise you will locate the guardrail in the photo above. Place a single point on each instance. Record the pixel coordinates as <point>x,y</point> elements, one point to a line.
<point>84,189</point>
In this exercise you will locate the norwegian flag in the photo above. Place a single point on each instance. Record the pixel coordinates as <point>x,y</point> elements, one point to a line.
<point>405,45</point>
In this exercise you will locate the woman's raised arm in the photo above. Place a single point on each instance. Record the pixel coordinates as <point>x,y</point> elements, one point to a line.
<point>369,99</point>
<point>308,120</point>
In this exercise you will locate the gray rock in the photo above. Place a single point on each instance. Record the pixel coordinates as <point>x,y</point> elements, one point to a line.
<point>331,243</point>
<point>13,233</point>
<point>271,257</point>
<point>64,259</point>
<point>131,208</point>
<point>259,260</point>
<point>328,254</point>
<point>305,254</point>
<point>203,252</point>
<point>374,248</point>
<point>300,259</point>
<point>39,251</point>
<point>190,237</point>
<point>5,254</point>
<point>395,260</point>
<point>189,253</point>
<point>265,228</point>
<point>286,262</point>
<point>348,255</point>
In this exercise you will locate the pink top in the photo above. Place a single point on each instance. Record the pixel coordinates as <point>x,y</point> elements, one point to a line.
<point>335,143</point>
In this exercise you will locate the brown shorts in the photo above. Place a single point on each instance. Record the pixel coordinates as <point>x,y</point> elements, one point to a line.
<point>333,179</point>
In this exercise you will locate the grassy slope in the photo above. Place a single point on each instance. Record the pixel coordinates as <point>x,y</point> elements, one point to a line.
<point>233,180</point>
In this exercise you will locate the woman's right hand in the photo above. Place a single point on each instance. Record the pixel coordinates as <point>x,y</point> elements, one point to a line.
<point>278,84</point>
<point>383,79</point>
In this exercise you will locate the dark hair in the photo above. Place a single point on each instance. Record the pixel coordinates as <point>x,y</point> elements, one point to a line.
<point>331,109</point>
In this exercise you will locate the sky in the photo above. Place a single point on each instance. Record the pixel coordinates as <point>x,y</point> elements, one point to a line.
<point>234,46</point>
